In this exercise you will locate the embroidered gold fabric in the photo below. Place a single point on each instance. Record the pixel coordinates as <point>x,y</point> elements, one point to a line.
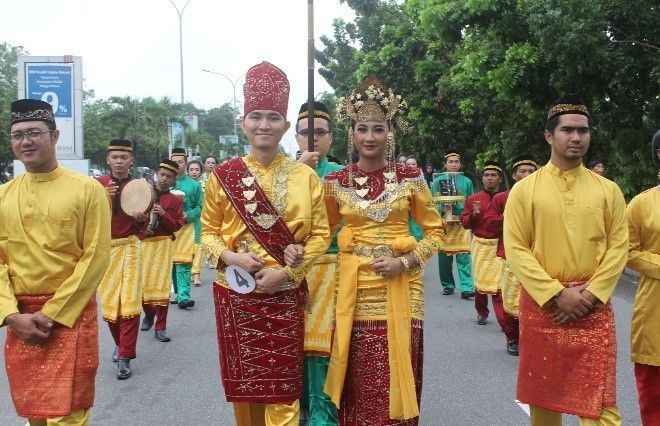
<point>380,207</point>
<point>563,108</point>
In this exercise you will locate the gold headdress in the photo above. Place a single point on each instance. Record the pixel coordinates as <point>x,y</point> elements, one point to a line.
<point>373,101</point>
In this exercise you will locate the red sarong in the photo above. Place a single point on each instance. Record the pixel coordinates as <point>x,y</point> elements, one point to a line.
<point>569,368</point>
<point>260,340</point>
<point>648,389</point>
<point>57,378</point>
<point>366,397</point>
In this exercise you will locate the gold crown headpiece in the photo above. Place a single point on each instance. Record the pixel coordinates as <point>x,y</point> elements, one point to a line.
<point>372,101</point>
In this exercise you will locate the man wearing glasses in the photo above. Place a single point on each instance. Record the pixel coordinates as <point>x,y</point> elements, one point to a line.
<point>319,317</point>
<point>54,245</point>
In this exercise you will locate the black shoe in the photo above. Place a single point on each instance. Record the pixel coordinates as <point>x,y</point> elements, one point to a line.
<point>186,304</point>
<point>482,320</point>
<point>147,323</point>
<point>448,291</point>
<point>161,336</point>
<point>124,369</point>
<point>115,356</point>
<point>467,295</point>
<point>512,348</point>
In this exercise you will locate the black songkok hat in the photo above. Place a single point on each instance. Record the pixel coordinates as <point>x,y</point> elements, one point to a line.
<point>120,145</point>
<point>178,152</point>
<point>31,110</point>
<point>568,105</point>
<point>170,165</point>
<point>523,160</point>
<point>320,111</point>
<point>492,165</point>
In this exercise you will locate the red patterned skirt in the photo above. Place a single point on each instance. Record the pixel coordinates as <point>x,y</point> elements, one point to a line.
<point>365,400</point>
<point>568,368</point>
<point>260,340</point>
<point>58,377</point>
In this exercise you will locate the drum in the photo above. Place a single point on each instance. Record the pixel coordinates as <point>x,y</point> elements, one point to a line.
<point>137,197</point>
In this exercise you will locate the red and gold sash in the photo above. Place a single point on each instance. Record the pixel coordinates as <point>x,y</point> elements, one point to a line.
<point>232,174</point>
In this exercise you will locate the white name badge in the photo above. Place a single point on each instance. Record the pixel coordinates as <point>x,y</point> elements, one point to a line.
<point>240,280</point>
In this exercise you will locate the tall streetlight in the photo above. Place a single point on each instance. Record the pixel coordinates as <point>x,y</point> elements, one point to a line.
<point>179,12</point>
<point>234,85</point>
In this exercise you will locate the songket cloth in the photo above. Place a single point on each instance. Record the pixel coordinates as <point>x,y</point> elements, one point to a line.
<point>487,269</point>
<point>457,239</point>
<point>319,314</point>
<point>184,244</point>
<point>120,290</point>
<point>76,418</point>
<point>58,377</point>
<point>391,305</point>
<point>648,389</point>
<point>576,360</point>
<point>510,287</point>
<point>260,339</point>
<point>155,274</point>
<point>368,376</point>
<point>563,226</point>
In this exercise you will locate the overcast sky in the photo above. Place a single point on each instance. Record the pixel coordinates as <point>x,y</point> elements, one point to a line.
<point>131,47</point>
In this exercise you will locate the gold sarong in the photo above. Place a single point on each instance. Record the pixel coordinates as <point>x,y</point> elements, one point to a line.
<point>184,244</point>
<point>120,290</point>
<point>156,273</point>
<point>510,286</point>
<point>198,259</point>
<point>319,315</point>
<point>486,268</point>
<point>457,239</point>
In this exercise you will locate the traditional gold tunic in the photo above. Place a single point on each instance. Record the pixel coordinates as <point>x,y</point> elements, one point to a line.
<point>370,230</point>
<point>296,193</point>
<point>54,239</point>
<point>644,228</point>
<point>577,233</point>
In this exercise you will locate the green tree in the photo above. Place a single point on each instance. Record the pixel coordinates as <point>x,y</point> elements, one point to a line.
<point>480,74</point>
<point>8,89</point>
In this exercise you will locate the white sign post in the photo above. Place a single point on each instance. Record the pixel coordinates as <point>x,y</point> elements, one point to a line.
<point>58,81</point>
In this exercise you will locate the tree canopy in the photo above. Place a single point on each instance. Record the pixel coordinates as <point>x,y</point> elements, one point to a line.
<point>479,75</point>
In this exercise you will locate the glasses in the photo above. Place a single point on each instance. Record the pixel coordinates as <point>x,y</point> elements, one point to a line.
<point>317,132</point>
<point>31,134</point>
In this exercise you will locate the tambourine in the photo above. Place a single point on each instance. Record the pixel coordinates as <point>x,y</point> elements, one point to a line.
<point>137,197</point>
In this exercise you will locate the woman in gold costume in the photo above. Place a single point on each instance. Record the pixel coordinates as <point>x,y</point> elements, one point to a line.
<point>375,372</point>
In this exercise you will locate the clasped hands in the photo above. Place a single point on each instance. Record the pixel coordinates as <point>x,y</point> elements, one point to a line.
<point>269,280</point>
<point>573,303</point>
<point>34,329</point>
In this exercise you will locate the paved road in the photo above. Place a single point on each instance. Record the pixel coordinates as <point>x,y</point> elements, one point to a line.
<point>469,380</point>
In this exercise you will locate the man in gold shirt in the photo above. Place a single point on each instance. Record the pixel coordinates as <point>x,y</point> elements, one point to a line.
<point>256,208</point>
<point>54,243</point>
<point>566,239</point>
<point>643,224</point>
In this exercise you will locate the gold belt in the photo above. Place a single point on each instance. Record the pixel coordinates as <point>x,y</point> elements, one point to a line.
<point>373,251</point>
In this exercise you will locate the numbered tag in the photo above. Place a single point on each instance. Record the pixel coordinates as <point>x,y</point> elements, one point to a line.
<point>240,280</point>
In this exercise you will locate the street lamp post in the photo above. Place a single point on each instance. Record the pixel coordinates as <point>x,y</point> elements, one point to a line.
<point>234,84</point>
<point>179,13</point>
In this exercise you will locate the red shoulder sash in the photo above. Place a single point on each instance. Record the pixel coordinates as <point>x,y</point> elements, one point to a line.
<point>232,176</point>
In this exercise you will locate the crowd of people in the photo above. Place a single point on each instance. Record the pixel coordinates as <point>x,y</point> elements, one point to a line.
<point>318,290</point>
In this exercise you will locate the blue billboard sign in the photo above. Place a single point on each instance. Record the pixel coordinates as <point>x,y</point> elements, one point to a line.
<point>52,83</point>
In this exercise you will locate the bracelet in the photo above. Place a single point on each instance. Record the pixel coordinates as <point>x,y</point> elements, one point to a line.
<point>405,261</point>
